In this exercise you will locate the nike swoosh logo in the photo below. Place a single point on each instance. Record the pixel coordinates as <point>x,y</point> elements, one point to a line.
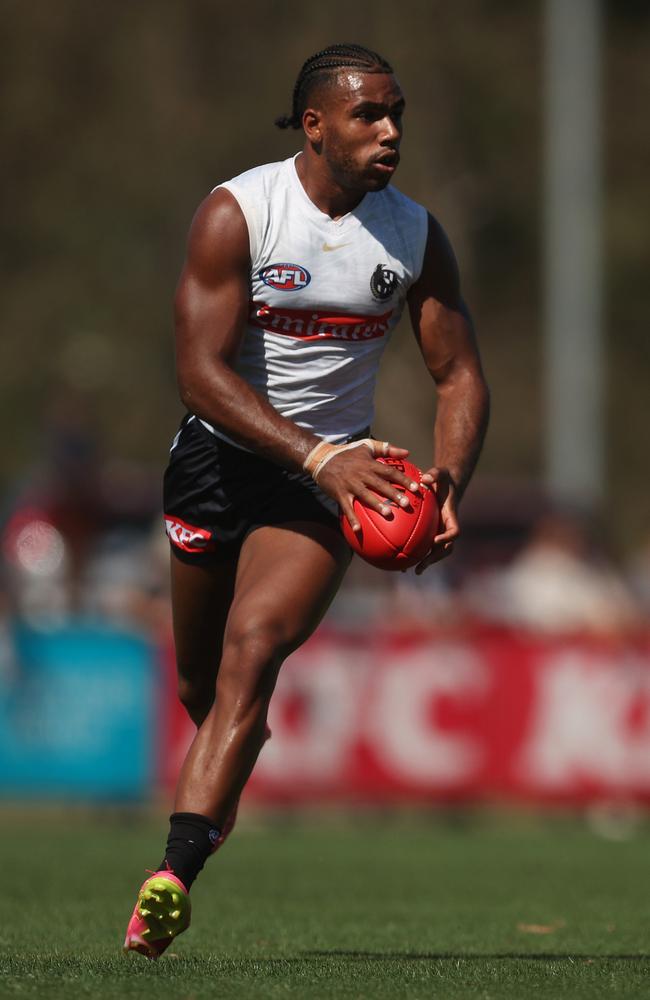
<point>337,246</point>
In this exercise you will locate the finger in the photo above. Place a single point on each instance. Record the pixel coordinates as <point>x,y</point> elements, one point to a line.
<point>384,484</point>
<point>395,497</point>
<point>381,449</point>
<point>439,481</point>
<point>448,535</point>
<point>420,568</point>
<point>370,499</point>
<point>384,449</point>
<point>347,507</point>
<point>431,557</point>
<point>395,476</point>
<point>385,489</point>
<point>434,556</point>
<point>449,525</point>
<point>448,514</point>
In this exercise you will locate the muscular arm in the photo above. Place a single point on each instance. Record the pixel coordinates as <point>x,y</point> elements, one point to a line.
<point>444,332</point>
<point>211,306</point>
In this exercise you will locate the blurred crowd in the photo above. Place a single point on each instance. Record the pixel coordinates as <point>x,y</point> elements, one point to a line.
<point>83,538</point>
<point>521,562</point>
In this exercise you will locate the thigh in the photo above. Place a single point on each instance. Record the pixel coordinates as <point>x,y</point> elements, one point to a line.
<point>201,598</point>
<point>286,579</point>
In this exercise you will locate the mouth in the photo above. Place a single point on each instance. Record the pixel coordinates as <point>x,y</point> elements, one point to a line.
<point>387,162</point>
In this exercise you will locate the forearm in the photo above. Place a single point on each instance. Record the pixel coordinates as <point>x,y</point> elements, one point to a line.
<point>225,400</point>
<point>461,422</point>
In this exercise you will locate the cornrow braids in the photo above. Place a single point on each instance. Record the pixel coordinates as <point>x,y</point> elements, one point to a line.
<point>323,63</point>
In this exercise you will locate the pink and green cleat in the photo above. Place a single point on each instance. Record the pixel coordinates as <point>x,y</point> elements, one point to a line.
<point>161,913</point>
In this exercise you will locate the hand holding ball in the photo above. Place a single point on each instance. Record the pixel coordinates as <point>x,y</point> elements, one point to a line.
<point>403,538</point>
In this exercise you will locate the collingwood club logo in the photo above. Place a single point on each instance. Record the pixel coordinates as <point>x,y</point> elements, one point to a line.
<point>383,282</point>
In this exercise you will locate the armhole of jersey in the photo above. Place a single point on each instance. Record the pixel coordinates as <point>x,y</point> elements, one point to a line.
<point>421,242</point>
<point>250,217</point>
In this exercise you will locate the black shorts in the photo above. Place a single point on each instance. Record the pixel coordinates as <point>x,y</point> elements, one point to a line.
<point>215,494</point>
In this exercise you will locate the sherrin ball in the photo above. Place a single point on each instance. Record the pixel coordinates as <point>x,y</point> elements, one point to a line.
<point>404,537</point>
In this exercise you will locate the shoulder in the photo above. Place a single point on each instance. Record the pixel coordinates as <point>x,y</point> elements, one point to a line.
<point>394,196</point>
<point>262,177</point>
<point>218,234</point>
<point>255,191</point>
<point>401,224</point>
<point>440,276</point>
<point>400,206</point>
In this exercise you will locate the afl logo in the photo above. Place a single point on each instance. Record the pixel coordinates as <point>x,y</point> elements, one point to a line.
<point>383,282</point>
<point>285,277</point>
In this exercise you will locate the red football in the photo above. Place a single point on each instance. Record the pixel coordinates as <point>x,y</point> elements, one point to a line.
<point>404,538</point>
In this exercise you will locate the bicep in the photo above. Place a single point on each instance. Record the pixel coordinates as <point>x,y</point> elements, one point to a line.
<point>211,300</point>
<point>440,319</point>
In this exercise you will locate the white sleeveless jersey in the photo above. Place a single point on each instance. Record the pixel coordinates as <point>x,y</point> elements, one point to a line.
<point>325,296</point>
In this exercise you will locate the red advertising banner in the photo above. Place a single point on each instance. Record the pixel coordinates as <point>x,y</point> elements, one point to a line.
<point>499,715</point>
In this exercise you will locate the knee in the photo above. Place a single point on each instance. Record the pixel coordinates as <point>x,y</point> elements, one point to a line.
<point>196,697</point>
<point>253,654</point>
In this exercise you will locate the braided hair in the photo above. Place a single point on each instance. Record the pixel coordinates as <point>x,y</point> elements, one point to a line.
<point>321,65</point>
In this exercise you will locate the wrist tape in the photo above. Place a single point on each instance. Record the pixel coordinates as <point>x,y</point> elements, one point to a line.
<point>321,454</point>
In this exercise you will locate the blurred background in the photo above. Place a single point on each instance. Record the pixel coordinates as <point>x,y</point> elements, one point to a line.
<point>520,669</point>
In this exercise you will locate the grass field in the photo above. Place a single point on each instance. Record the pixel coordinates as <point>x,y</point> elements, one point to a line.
<point>329,908</point>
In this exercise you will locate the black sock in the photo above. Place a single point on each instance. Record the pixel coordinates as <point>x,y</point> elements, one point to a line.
<point>190,842</point>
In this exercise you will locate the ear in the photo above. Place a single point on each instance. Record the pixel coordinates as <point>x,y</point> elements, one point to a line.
<point>312,124</point>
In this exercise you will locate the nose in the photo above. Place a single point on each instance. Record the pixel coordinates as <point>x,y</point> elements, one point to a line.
<point>391,131</point>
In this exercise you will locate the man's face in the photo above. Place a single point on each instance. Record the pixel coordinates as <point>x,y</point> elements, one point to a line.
<point>361,128</point>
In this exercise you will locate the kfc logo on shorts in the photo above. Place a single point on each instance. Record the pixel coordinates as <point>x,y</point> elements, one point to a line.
<point>186,537</point>
<point>285,277</point>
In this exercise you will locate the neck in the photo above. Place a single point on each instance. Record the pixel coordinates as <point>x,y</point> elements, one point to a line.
<point>322,189</point>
